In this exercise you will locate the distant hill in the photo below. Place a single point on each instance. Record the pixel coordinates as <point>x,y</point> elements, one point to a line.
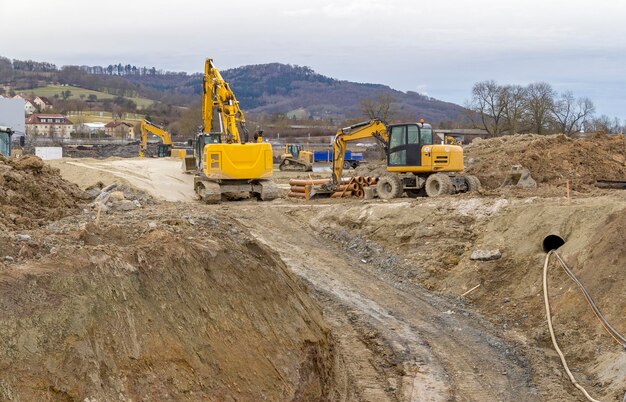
<point>269,89</point>
<point>280,88</point>
<point>299,91</point>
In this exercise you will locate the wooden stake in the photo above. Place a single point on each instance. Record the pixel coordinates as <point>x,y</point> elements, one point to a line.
<point>98,214</point>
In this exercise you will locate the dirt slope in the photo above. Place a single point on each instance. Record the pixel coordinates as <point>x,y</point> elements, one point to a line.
<point>158,305</point>
<point>430,242</point>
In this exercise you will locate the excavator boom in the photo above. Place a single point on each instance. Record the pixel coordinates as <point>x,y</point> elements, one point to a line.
<point>368,129</point>
<point>218,96</point>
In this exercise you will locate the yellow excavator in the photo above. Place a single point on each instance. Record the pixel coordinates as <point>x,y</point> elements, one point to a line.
<point>151,128</point>
<point>296,159</point>
<point>225,162</point>
<point>417,167</point>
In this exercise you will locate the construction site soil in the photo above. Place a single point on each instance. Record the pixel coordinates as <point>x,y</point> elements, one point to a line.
<point>338,299</point>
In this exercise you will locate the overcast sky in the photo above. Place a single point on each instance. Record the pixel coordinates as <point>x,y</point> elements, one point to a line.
<point>437,47</point>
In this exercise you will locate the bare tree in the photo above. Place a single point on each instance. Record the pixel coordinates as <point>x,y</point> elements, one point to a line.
<point>488,104</point>
<point>539,103</point>
<point>569,113</point>
<point>514,98</point>
<point>379,108</point>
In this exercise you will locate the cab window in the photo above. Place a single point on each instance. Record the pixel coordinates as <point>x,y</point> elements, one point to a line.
<point>397,137</point>
<point>412,134</point>
<point>426,136</point>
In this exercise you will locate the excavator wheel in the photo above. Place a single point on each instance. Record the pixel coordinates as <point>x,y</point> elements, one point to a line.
<point>389,187</point>
<point>473,184</point>
<point>439,184</point>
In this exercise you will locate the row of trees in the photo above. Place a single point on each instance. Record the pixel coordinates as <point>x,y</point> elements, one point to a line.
<point>536,108</point>
<point>126,69</point>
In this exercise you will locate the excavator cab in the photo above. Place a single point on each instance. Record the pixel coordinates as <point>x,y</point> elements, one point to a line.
<point>203,139</point>
<point>5,141</point>
<point>164,150</point>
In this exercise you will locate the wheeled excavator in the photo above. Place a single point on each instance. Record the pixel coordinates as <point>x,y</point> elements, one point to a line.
<point>151,128</point>
<point>415,165</point>
<point>224,161</point>
<point>296,159</point>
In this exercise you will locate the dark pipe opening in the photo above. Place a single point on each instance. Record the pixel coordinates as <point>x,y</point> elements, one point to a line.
<point>552,242</point>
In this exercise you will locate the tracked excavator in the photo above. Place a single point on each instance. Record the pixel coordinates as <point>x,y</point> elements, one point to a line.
<point>296,159</point>
<point>415,165</point>
<point>226,162</point>
<point>151,128</point>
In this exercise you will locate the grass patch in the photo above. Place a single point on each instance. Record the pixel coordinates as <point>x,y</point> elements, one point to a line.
<point>51,90</point>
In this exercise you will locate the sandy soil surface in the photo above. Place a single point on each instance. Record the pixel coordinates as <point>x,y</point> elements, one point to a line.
<point>159,177</point>
<point>389,277</point>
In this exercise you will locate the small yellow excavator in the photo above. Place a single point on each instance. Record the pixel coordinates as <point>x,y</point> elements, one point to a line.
<point>151,128</point>
<point>417,166</point>
<point>296,159</point>
<point>225,162</point>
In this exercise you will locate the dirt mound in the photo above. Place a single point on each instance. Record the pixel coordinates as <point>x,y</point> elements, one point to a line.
<point>32,193</point>
<point>185,307</point>
<point>551,159</point>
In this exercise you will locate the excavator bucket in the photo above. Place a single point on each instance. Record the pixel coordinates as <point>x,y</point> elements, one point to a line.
<point>189,164</point>
<point>520,177</point>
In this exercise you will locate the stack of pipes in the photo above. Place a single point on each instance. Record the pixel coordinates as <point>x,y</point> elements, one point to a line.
<point>349,187</point>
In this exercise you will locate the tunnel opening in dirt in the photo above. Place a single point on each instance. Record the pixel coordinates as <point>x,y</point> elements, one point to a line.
<point>552,242</point>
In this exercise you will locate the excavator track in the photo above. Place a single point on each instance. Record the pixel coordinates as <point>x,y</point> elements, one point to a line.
<point>208,191</point>
<point>294,165</point>
<point>211,191</point>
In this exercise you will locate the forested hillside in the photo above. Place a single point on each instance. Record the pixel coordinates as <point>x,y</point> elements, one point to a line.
<point>274,89</point>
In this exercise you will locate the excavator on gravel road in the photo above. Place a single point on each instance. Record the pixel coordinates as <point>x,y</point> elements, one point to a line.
<point>415,165</point>
<point>224,161</point>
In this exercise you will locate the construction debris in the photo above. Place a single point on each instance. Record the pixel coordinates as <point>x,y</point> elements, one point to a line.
<point>350,187</point>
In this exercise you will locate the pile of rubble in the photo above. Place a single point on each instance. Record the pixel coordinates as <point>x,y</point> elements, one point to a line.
<point>115,197</point>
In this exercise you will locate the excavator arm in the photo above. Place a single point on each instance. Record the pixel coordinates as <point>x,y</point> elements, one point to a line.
<point>218,96</point>
<point>151,128</point>
<point>369,129</point>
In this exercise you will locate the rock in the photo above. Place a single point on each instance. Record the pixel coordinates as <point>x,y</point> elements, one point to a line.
<point>93,192</point>
<point>117,196</point>
<point>126,205</point>
<point>8,258</point>
<point>137,203</point>
<point>23,237</point>
<point>485,255</point>
<point>103,198</point>
<point>152,225</point>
